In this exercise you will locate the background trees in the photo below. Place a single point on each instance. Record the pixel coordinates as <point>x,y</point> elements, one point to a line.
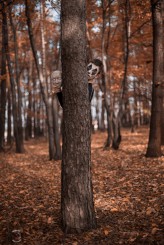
<point>154,145</point>
<point>118,32</point>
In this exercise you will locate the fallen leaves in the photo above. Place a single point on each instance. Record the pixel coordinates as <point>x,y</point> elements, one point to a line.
<point>128,195</point>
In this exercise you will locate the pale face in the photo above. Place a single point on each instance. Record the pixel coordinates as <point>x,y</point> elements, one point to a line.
<point>92,71</point>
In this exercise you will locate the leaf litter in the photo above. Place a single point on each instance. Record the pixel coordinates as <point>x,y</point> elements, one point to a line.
<point>128,195</point>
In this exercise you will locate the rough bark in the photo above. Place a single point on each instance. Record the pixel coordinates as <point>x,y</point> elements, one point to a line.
<point>154,144</point>
<point>77,196</point>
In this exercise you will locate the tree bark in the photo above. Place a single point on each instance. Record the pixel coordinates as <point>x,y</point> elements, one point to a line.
<point>77,196</point>
<point>19,145</point>
<point>154,144</point>
<point>2,87</point>
<point>9,117</point>
<point>28,129</point>
<point>47,99</point>
<point>121,97</point>
<point>56,130</point>
<point>104,47</point>
<point>17,79</point>
<point>162,120</point>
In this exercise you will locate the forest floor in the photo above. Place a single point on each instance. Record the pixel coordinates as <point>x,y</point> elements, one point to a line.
<point>128,195</point>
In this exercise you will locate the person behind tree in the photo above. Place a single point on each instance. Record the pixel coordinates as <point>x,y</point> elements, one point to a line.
<point>94,68</point>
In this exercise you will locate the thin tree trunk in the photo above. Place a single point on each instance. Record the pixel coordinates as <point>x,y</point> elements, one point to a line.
<point>126,51</point>
<point>154,144</point>
<point>121,99</point>
<point>28,131</point>
<point>47,100</point>
<point>116,123</point>
<point>17,78</point>
<point>162,121</point>
<point>105,44</point>
<point>9,117</point>
<point>2,88</point>
<point>42,29</point>
<point>102,122</point>
<point>89,50</point>
<point>56,130</point>
<point>19,146</point>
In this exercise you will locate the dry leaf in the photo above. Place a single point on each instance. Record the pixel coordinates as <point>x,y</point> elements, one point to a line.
<point>154,230</point>
<point>106,232</point>
<point>149,211</point>
<point>50,220</point>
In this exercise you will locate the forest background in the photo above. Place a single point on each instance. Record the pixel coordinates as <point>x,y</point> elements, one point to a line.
<point>120,33</point>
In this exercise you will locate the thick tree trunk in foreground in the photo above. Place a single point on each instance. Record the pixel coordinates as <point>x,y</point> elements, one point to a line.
<point>76,198</point>
<point>154,145</point>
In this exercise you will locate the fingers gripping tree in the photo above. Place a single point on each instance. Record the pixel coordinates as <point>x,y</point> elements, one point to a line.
<point>76,197</point>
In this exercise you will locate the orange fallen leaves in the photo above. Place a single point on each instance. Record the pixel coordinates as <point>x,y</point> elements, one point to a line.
<point>128,195</point>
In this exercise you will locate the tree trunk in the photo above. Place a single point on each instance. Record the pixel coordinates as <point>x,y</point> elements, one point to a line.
<point>2,88</point>
<point>121,97</point>
<point>42,29</point>
<point>56,130</point>
<point>9,117</point>
<point>17,78</point>
<point>154,144</point>
<point>104,47</point>
<point>116,125</point>
<point>162,120</point>
<point>28,130</point>
<point>77,196</point>
<point>19,146</point>
<point>47,100</point>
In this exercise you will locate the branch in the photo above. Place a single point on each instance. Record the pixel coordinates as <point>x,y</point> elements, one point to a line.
<point>139,28</point>
<point>5,4</point>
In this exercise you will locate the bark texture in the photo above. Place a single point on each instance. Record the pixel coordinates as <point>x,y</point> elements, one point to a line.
<point>17,132</point>
<point>76,198</point>
<point>154,144</point>
<point>48,100</point>
<point>2,86</point>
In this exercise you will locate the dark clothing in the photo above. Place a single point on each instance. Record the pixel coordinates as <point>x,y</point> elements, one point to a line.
<point>90,89</point>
